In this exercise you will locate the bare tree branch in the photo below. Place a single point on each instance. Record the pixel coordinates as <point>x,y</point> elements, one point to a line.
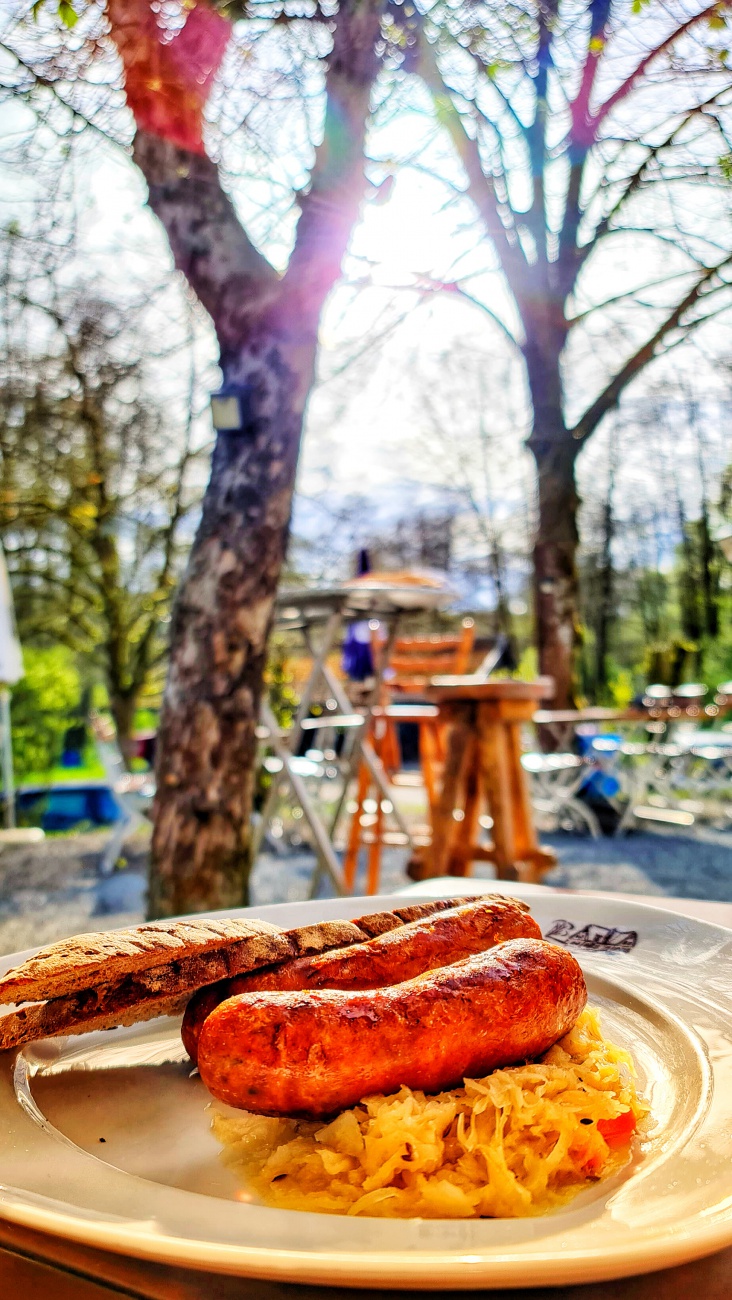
<point>610,395</point>
<point>536,133</point>
<point>458,291</point>
<point>226,272</point>
<point>636,179</point>
<point>582,136</point>
<point>329,208</point>
<point>481,188</point>
<point>624,89</point>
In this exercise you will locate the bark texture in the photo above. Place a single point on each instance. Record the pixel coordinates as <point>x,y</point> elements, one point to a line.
<point>556,584</point>
<point>219,639</point>
<point>123,707</point>
<point>606,581</point>
<point>267,331</point>
<point>555,567</point>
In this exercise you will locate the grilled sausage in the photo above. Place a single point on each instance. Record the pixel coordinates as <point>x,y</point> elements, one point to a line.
<point>391,958</point>
<point>316,1053</point>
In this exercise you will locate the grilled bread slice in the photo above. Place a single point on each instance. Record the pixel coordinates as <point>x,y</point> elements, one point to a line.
<point>119,977</point>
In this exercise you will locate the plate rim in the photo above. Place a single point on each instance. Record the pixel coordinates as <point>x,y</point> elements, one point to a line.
<point>423,1269</point>
<point>427,1270</point>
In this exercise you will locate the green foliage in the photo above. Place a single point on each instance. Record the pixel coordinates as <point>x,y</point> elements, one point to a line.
<point>621,688</point>
<point>648,641</point>
<point>717,20</point>
<point>97,478</point>
<point>146,720</point>
<point>668,662</point>
<point>283,699</point>
<point>652,597</point>
<point>528,665</point>
<point>499,65</point>
<point>67,14</point>
<point>43,705</point>
<point>667,627</point>
<point>718,659</point>
<point>91,769</point>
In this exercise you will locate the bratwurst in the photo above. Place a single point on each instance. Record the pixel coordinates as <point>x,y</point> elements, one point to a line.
<point>391,958</point>
<point>316,1053</point>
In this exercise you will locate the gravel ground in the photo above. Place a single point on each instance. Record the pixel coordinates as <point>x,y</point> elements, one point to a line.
<point>53,889</point>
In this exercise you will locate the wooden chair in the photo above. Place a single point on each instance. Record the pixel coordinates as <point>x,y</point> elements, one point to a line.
<point>416,660</point>
<point>413,662</point>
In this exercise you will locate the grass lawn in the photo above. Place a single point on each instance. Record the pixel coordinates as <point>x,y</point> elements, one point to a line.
<point>91,770</point>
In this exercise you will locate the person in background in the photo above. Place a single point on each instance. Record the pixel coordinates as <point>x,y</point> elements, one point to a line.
<point>356,659</point>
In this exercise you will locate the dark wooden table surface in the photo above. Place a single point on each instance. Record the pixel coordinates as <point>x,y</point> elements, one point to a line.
<point>37,1267</point>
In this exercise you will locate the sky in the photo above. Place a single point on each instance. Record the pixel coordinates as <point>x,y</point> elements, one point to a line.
<point>367,432</point>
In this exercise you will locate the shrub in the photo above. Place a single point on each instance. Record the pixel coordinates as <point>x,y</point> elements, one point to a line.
<point>42,706</point>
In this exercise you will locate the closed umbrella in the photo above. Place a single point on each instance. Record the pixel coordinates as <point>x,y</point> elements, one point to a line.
<point>11,670</point>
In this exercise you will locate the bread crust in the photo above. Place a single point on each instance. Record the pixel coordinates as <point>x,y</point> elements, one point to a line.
<point>98,981</point>
<point>64,1016</point>
<point>87,959</point>
<point>380,922</point>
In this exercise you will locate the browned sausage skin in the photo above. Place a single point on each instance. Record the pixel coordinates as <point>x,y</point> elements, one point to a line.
<point>391,958</point>
<point>316,1053</point>
<point>401,954</point>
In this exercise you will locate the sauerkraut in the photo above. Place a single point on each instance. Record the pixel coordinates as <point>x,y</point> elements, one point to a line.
<point>519,1142</point>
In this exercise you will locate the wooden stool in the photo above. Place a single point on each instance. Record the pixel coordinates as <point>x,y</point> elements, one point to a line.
<point>368,828</point>
<point>483,768</point>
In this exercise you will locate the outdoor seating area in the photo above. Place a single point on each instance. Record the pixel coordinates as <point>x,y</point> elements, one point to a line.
<point>665,760</point>
<point>489,765</point>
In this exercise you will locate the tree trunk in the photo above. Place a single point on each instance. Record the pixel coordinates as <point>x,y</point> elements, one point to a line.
<point>266,326</point>
<point>707,558</point>
<point>219,629</point>
<point>691,615</point>
<point>123,709</point>
<point>709,576</point>
<point>606,578</point>
<point>556,583</point>
<point>555,567</point>
<point>497,571</point>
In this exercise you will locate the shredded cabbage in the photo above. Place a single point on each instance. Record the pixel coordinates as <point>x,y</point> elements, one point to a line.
<point>518,1142</point>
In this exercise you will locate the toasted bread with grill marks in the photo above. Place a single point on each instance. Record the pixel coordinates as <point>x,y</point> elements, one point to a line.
<point>118,977</point>
<point>88,959</point>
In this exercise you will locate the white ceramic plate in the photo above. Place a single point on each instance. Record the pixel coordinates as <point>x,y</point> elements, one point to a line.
<point>105,1140</point>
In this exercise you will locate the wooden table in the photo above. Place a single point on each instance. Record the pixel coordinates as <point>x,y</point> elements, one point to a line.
<point>483,769</point>
<point>562,723</point>
<point>37,1267</point>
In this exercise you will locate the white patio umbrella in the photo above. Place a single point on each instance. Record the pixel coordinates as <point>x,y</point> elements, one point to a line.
<point>11,670</point>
